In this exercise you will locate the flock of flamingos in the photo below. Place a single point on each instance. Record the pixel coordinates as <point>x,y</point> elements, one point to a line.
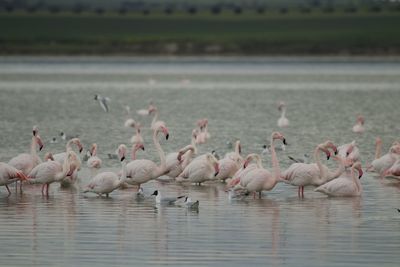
<point>243,175</point>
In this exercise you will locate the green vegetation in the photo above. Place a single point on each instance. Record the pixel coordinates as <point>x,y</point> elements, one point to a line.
<point>203,33</point>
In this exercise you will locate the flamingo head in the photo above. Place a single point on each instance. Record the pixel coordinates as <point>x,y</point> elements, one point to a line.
<point>152,108</point>
<point>249,158</point>
<point>48,156</point>
<point>239,147</point>
<point>360,119</point>
<point>357,166</point>
<point>39,142</point>
<point>93,149</point>
<point>202,123</point>
<point>35,130</point>
<point>329,144</point>
<point>121,152</point>
<point>165,131</point>
<point>281,105</point>
<point>325,150</point>
<point>139,146</point>
<point>78,143</point>
<point>378,140</point>
<point>278,135</point>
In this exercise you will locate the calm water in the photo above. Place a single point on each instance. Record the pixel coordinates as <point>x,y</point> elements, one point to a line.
<point>239,96</point>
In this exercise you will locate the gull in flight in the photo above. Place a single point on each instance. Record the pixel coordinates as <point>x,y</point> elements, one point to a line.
<point>102,101</point>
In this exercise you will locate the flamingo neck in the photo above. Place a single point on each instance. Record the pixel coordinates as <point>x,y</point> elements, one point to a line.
<point>188,154</point>
<point>339,170</point>
<point>122,178</point>
<point>155,118</point>
<point>237,148</point>
<point>161,169</point>
<point>274,159</point>
<point>259,162</point>
<point>378,150</point>
<point>33,147</point>
<point>65,169</point>
<point>318,162</point>
<point>133,155</point>
<point>193,144</point>
<point>283,112</point>
<point>356,180</point>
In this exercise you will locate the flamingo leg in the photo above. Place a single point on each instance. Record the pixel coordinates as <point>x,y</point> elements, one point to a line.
<point>47,190</point>
<point>302,191</point>
<point>43,188</point>
<point>254,195</point>
<point>107,195</point>
<point>298,191</point>
<point>20,187</point>
<point>259,194</point>
<point>8,189</point>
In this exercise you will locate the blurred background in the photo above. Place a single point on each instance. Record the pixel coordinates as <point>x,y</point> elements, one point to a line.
<point>187,27</point>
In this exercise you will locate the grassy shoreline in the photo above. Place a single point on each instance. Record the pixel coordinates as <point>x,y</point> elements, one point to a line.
<point>203,34</point>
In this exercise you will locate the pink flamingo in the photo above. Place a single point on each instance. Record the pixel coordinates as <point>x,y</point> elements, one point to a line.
<point>230,164</point>
<point>343,186</point>
<point>393,171</point>
<point>350,153</point>
<point>260,179</point>
<point>303,174</point>
<point>177,161</point>
<point>94,162</point>
<point>137,138</point>
<point>359,126</point>
<point>60,157</point>
<point>9,174</point>
<point>141,171</point>
<point>106,182</point>
<point>203,135</point>
<point>246,167</point>
<point>201,169</point>
<point>52,171</point>
<point>380,164</point>
<point>282,121</point>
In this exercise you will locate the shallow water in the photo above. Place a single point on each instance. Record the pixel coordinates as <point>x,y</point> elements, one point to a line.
<point>239,96</point>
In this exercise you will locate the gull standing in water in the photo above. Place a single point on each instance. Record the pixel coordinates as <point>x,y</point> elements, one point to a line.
<point>102,101</point>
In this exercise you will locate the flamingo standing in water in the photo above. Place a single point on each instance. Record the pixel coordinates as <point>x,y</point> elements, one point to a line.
<point>52,171</point>
<point>26,162</point>
<point>9,174</point>
<point>201,169</point>
<point>141,171</point>
<point>106,182</point>
<point>202,135</point>
<point>230,164</point>
<point>303,174</point>
<point>382,163</point>
<point>393,171</point>
<point>94,162</point>
<point>260,179</point>
<point>343,186</point>
<point>359,126</point>
<point>177,161</point>
<point>60,157</point>
<point>282,121</point>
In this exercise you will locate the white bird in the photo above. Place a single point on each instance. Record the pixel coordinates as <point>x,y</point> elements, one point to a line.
<point>107,182</point>
<point>166,200</point>
<point>103,101</point>
<point>190,204</point>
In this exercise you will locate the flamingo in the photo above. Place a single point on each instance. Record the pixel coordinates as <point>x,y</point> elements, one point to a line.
<point>60,157</point>
<point>342,186</point>
<point>141,171</point>
<point>9,174</point>
<point>282,121</point>
<point>26,162</point>
<point>393,171</point>
<point>260,179</point>
<point>177,161</point>
<point>201,169</point>
<point>359,126</point>
<point>246,167</point>
<point>203,135</point>
<point>302,174</point>
<point>349,152</point>
<point>137,138</point>
<point>52,171</point>
<point>380,164</point>
<point>94,162</point>
<point>230,164</point>
<point>107,182</point>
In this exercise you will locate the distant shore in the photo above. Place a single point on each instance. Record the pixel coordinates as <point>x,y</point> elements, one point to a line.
<point>180,34</point>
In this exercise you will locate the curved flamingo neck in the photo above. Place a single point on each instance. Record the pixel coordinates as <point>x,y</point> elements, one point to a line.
<point>122,178</point>
<point>339,170</point>
<point>283,112</point>
<point>65,169</point>
<point>33,147</point>
<point>356,180</point>
<point>162,167</point>
<point>258,162</point>
<point>155,118</point>
<point>134,150</point>
<point>237,148</point>
<point>378,150</point>
<point>274,159</point>
<point>193,144</point>
<point>318,162</point>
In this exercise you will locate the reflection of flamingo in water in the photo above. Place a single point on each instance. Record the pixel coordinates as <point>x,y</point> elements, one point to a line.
<point>343,186</point>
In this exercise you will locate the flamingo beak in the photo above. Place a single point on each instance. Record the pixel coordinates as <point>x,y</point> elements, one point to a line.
<point>122,158</point>
<point>284,141</point>
<point>142,147</point>
<point>240,149</point>
<point>246,162</point>
<point>81,148</point>
<point>216,167</point>
<point>166,133</point>
<point>34,132</point>
<point>360,173</point>
<point>328,155</point>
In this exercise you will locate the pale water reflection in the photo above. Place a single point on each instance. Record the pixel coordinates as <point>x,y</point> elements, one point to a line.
<point>239,97</point>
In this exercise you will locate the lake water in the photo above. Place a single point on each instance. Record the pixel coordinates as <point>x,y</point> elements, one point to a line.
<point>238,96</point>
